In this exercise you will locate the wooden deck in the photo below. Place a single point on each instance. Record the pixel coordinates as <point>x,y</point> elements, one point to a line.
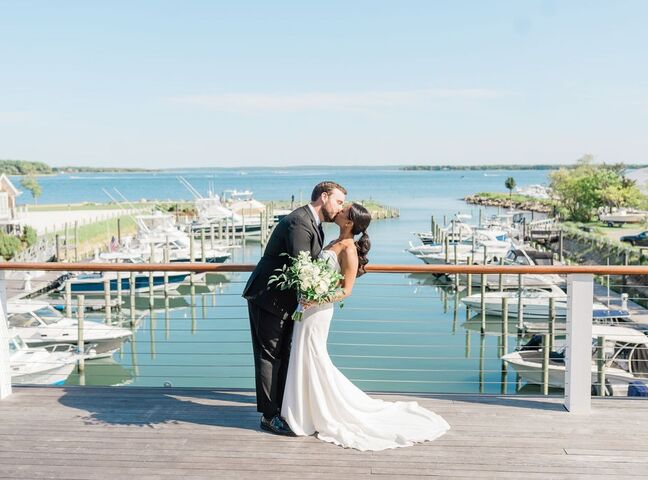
<point>118,433</point>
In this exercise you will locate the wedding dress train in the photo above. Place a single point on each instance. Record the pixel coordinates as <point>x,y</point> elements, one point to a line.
<point>318,398</point>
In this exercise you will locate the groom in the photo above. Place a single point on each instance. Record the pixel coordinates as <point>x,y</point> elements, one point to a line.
<point>270,309</point>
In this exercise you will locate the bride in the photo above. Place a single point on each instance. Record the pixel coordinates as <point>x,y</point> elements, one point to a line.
<point>318,398</point>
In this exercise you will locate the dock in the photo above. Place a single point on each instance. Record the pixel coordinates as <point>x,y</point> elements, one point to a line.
<point>163,433</point>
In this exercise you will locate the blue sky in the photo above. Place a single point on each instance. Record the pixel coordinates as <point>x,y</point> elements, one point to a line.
<point>242,83</point>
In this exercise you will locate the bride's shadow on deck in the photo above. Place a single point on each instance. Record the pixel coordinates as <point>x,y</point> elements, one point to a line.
<point>152,407</point>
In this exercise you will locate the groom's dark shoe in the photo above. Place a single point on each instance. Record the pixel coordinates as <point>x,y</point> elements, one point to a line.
<point>276,425</point>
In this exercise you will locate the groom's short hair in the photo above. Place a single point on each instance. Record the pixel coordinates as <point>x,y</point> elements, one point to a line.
<point>327,187</point>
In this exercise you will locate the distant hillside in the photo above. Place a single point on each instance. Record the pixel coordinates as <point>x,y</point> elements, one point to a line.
<point>99,169</point>
<point>22,167</point>
<point>501,167</point>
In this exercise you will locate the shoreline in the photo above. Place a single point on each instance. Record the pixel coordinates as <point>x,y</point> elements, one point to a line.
<point>501,200</point>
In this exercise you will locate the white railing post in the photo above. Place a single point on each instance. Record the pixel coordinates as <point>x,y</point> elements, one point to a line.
<point>5,369</point>
<point>578,360</point>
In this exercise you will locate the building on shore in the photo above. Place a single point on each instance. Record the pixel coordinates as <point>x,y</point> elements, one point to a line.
<point>8,192</point>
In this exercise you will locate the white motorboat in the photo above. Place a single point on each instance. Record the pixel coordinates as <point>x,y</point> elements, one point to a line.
<point>456,232</point>
<point>236,210</point>
<point>173,240</point>
<point>472,249</point>
<point>607,316</point>
<point>438,248</point>
<point>38,366</point>
<point>621,216</point>
<point>41,325</point>
<point>159,231</point>
<point>509,222</point>
<point>626,360</point>
<point>535,302</point>
<point>538,191</point>
<point>521,256</point>
<point>212,216</point>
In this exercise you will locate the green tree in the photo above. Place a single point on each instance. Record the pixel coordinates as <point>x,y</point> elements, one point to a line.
<point>30,183</point>
<point>9,245</point>
<point>510,185</point>
<point>29,236</point>
<point>588,187</point>
<point>21,167</point>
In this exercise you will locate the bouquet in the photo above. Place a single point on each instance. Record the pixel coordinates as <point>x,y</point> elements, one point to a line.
<point>315,280</point>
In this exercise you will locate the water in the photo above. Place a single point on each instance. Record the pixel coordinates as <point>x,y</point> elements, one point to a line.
<point>396,333</point>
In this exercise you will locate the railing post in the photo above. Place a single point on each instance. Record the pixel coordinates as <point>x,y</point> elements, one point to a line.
<point>546,349</point>
<point>5,370</point>
<point>107,300</point>
<point>578,361</point>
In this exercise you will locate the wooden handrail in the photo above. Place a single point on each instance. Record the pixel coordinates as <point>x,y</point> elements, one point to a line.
<point>243,267</point>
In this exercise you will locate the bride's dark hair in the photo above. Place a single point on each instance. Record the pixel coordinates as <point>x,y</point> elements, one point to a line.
<point>361,219</point>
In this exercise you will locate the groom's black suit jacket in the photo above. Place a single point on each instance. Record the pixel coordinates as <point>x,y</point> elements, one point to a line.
<point>296,232</point>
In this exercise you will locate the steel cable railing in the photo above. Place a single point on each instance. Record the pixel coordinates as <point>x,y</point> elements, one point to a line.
<point>402,330</point>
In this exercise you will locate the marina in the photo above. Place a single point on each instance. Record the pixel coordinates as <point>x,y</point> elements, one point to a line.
<point>184,325</point>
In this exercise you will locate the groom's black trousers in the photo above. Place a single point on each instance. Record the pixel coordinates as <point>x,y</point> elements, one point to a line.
<point>271,339</point>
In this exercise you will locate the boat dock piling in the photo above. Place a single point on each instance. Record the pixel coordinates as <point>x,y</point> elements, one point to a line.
<point>505,321</point>
<point>107,310</point>
<point>552,322</point>
<point>131,284</point>
<point>482,288</point>
<point>520,325</point>
<point>546,349</point>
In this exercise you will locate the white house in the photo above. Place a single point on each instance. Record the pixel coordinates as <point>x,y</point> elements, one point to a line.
<point>8,193</point>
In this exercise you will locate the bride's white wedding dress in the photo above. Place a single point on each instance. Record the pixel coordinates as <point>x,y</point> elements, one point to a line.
<point>319,399</point>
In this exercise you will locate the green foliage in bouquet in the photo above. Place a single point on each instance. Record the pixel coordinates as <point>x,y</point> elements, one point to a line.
<point>314,280</point>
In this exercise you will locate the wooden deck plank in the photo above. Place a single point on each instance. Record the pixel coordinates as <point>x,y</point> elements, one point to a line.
<point>111,432</point>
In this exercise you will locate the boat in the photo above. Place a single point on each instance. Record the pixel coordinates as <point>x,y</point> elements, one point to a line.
<point>213,216</point>
<point>621,216</point>
<point>236,210</point>
<point>93,282</point>
<point>626,360</point>
<point>457,231</point>
<point>37,365</point>
<point>521,256</point>
<point>159,232</point>
<point>607,316</point>
<point>535,302</point>
<point>41,325</point>
<point>469,250</point>
<point>538,191</point>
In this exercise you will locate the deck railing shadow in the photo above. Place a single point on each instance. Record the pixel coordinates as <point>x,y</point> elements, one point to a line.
<point>153,407</point>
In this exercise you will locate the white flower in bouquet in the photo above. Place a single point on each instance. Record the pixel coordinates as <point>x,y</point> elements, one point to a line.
<point>314,280</point>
